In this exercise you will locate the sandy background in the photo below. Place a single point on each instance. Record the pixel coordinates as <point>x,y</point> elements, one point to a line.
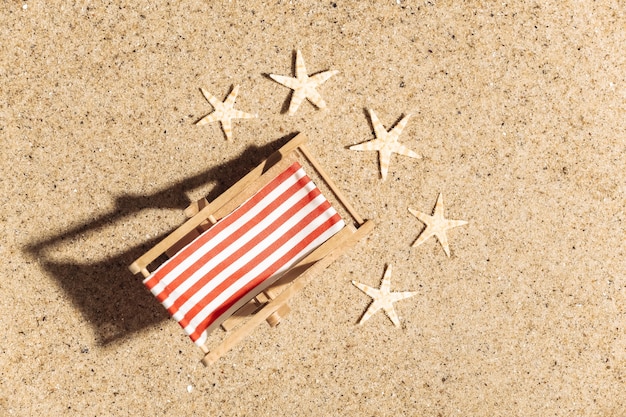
<point>519,111</point>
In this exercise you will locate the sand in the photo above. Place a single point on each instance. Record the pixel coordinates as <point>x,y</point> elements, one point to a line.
<point>519,113</point>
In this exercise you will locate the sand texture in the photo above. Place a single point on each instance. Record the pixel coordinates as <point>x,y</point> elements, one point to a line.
<point>518,111</point>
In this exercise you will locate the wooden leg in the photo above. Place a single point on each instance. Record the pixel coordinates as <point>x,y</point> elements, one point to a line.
<point>241,315</point>
<point>195,207</point>
<point>251,308</point>
<point>275,318</point>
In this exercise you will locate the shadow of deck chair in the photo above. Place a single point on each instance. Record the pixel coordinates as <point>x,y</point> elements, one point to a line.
<point>239,259</point>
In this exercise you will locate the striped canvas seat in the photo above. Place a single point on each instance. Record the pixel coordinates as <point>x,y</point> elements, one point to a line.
<point>244,252</point>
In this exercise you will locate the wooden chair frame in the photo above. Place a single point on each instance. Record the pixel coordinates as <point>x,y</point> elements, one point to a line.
<point>271,304</point>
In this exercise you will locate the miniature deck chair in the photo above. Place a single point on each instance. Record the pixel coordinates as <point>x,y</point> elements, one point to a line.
<point>238,260</point>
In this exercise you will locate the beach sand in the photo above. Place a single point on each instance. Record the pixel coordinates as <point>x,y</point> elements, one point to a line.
<point>518,111</point>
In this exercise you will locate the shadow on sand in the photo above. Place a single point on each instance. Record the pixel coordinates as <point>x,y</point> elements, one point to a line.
<point>111,299</point>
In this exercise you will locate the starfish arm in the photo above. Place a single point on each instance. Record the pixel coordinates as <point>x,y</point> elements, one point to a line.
<point>397,296</point>
<point>423,217</point>
<point>227,128</point>
<point>379,129</point>
<point>373,308</point>
<point>455,223</point>
<point>300,67</point>
<point>315,98</point>
<point>384,157</point>
<point>438,211</point>
<point>238,114</point>
<point>442,237</point>
<point>393,316</point>
<point>296,99</point>
<point>372,145</point>
<point>211,99</point>
<point>230,100</point>
<point>289,82</point>
<point>209,118</point>
<point>385,287</point>
<point>423,237</point>
<point>439,214</point>
<point>397,129</point>
<point>322,77</point>
<point>372,292</point>
<point>403,150</point>
<point>392,298</point>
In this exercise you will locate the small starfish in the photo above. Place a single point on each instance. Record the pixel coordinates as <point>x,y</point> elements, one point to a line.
<point>383,298</point>
<point>224,112</point>
<point>436,225</point>
<point>386,143</point>
<point>304,86</point>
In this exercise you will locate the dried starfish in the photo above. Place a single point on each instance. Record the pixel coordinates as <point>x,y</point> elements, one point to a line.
<point>304,86</point>
<point>436,225</point>
<point>224,112</point>
<point>383,298</point>
<point>386,143</point>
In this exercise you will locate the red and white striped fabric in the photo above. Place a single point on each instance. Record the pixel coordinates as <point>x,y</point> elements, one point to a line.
<point>243,253</point>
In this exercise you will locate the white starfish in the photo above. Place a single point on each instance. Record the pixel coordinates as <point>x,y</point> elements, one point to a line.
<point>224,112</point>
<point>386,143</point>
<point>304,86</point>
<point>436,225</point>
<point>383,298</point>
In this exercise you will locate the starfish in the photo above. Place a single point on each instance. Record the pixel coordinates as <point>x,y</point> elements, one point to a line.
<point>383,298</point>
<point>386,143</point>
<point>436,225</point>
<point>304,86</point>
<point>224,112</point>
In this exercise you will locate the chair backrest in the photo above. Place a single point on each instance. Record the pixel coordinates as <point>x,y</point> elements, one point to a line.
<point>244,252</point>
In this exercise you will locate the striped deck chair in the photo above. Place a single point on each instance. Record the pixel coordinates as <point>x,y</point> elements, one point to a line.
<point>238,260</point>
